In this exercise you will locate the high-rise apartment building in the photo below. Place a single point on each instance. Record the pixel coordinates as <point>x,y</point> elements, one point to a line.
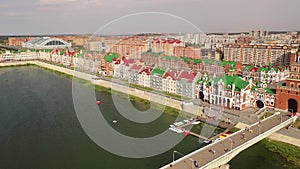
<point>261,55</point>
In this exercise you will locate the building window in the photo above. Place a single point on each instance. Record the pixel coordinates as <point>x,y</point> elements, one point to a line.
<point>292,84</point>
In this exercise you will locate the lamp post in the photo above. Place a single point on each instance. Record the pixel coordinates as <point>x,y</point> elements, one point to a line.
<point>231,142</point>
<point>177,153</point>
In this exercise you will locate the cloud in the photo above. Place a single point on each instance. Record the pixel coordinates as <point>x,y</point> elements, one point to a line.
<point>11,14</point>
<point>79,4</point>
<point>54,2</point>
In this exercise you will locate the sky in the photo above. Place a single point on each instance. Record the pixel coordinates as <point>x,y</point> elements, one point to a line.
<point>21,17</point>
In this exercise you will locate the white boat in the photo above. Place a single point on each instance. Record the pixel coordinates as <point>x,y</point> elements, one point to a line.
<point>196,122</point>
<point>206,141</point>
<point>176,130</point>
<point>115,121</point>
<point>216,140</point>
<point>178,123</point>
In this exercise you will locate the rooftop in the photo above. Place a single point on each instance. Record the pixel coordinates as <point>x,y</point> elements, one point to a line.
<point>190,76</point>
<point>158,72</point>
<point>110,57</point>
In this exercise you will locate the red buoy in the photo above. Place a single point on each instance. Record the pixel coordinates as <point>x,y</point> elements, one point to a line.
<point>98,102</point>
<point>187,133</point>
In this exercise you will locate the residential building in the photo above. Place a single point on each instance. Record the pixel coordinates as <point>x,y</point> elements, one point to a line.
<point>270,75</point>
<point>144,76</point>
<point>156,78</point>
<point>132,46</point>
<point>18,41</point>
<point>133,73</point>
<point>233,68</point>
<point>169,83</point>
<point>262,96</point>
<point>186,83</point>
<point>256,54</point>
<point>121,70</point>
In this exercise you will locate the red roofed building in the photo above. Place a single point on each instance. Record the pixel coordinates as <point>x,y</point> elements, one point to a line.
<point>122,67</point>
<point>169,83</point>
<point>186,83</point>
<point>144,77</point>
<point>133,73</point>
<point>166,46</point>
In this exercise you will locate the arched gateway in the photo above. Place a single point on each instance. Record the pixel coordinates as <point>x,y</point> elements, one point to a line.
<point>292,105</point>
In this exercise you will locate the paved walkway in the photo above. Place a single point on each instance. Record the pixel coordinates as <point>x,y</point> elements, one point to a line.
<point>212,151</point>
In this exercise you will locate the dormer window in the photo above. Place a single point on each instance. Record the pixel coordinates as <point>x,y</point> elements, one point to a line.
<point>229,86</point>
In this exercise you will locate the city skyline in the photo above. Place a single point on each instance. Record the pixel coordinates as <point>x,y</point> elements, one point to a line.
<point>86,17</point>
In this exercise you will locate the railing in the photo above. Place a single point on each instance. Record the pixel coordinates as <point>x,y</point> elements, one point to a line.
<point>255,139</point>
<point>265,134</point>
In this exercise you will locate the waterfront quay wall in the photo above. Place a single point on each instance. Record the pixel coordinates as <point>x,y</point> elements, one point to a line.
<point>156,98</point>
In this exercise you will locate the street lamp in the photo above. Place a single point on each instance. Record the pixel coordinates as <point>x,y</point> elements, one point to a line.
<point>177,153</point>
<point>231,141</point>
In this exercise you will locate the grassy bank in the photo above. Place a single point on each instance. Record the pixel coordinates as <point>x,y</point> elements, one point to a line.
<point>288,152</point>
<point>8,66</point>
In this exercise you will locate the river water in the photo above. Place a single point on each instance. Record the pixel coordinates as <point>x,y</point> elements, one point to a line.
<point>39,129</point>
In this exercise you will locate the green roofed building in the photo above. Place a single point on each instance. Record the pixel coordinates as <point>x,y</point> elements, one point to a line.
<point>156,77</point>
<point>262,96</point>
<point>110,57</point>
<point>229,91</point>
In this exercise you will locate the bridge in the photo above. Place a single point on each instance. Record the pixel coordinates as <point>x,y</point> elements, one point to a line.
<point>220,153</point>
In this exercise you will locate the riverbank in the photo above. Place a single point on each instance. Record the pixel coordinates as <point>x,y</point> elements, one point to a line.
<point>289,153</point>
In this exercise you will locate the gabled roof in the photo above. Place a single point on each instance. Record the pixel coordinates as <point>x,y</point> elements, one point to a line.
<point>128,61</point>
<point>175,58</point>
<point>110,57</point>
<point>146,70</point>
<point>211,62</point>
<point>248,68</point>
<point>172,74</point>
<point>136,67</point>
<point>190,76</point>
<point>230,80</point>
<point>263,69</point>
<point>254,69</point>
<point>231,63</point>
<point>158,72</point>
